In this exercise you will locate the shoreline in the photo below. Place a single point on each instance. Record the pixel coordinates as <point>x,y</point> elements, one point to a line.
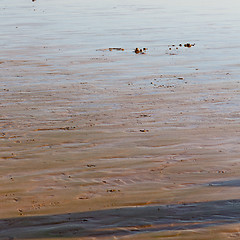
<point>114,135</point>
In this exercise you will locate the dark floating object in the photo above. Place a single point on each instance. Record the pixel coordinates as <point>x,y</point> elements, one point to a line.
<point>137,50</point>
<point>142,50</point>
<point>189,45</point>
<point>33,0</point>
<point>117,49</point>
<point>111,49</point>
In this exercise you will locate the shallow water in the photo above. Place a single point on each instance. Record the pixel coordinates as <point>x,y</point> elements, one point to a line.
<point>64,36</point>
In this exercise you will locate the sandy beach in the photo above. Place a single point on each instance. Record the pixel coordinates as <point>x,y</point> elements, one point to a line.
<point>99,144</point>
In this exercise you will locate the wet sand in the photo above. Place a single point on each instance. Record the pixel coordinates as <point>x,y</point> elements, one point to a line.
<point>62,153</point>
<point>111,144</point>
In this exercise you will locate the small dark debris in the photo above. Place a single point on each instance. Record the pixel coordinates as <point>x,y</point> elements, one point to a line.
<point>143,130</point>
<point>91,165</point>
<point>189,45</point>
<point>140,50</point>
<point>83,198</point>
<point>137,50</point>
<point>113,190</point>
<point>117,49</point>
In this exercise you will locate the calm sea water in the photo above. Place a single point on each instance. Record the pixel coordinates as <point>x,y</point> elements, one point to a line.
<point>67,34</point>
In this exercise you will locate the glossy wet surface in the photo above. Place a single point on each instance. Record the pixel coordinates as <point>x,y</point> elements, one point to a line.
<point>89,138</point>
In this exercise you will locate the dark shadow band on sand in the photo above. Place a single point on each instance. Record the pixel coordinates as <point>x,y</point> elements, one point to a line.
<point>123,221</point>
<point>228,183</point>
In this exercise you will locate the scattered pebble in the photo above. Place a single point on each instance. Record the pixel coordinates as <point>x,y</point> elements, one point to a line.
<point>20,211</point>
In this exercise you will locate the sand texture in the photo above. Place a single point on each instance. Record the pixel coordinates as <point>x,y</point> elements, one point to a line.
<point>110,144</point>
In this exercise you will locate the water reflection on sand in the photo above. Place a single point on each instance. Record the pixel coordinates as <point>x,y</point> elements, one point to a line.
<point>86,130</point>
